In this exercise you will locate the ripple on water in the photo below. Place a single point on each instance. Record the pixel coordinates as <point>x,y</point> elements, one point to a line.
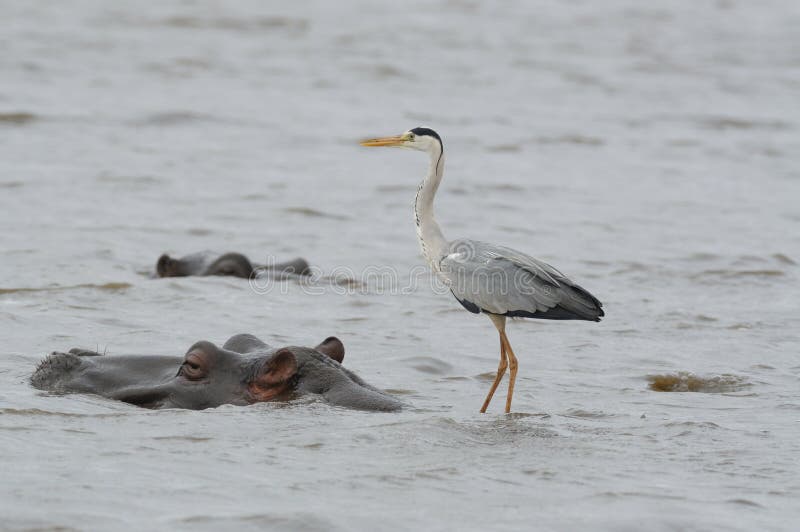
<point>745,502</point>
<point>783,259</point>
<point>110,287</point>
<point>430,365</point>
<point>237,24</point>
<point>267,521</point>
<point>722,123</point>
<point>107,177</point>
<point>399,391</point>
<point>736,274</point>
<point>17,118</point>
<point>587,414</point>
<point>500,187</point>
<point>39,412</point>
<point>684,381</point>
<point>308,212</point>
<point>507,429</point>
<point>701,256</point>
<point>698,321</point>
<point>504,148</point>
<point>576,139</point>
<point>181,438</point>
<point>174,118</point>
<point>515,430</point>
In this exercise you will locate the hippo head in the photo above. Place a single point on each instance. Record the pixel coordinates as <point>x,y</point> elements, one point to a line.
<point>210,376</point>
<point>204,263</point>
<point>169,267</point>
<point>244,371</point>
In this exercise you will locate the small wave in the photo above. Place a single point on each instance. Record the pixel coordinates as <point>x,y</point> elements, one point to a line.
<point>399,391</point>
<point>783,259</point>
<point>688,382</point>
<point>633,267</point>
<point>17,118</point>
<point>703,317</point>
<point>595,262</point>
<point>386,71</point>
<point>314,213</point>
<point>692,424</point>
<point>701,256</point>
<point>492,430</point>
<point>347,282</point>
<point>267,521</point>
<point>112,287</point>
<point>257,196</point>
<point>199,231</point>
<point>430,365</point>
<point>192,439</point>
<point>132,179</point>
<point>697,322</point>
<point>586,414</point>
<point>723,123</point>
<point>744,502</point>
<point>39,412</point>
<point>173,118</point>
<point>505,187</point>
<point>392,188</point>
<point>572,139</point>
<point>504,148</point>
<point>732,274</point>
<point>237,24</point>
<point>489,376</point>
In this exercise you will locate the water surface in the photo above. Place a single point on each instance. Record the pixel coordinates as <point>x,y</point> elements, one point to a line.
<point>648,151</point>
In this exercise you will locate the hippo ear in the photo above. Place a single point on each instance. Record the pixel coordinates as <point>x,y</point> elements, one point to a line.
<point>332,347</point>
<point>278,369</point>
<point>274,377</point>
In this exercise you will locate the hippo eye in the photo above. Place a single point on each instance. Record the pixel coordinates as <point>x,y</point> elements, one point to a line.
<point>193,367</point>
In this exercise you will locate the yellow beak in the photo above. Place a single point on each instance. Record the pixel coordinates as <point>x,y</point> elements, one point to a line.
<point>384,141</point>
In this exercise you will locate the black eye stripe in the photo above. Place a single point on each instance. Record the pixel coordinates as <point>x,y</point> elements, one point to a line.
<point>420,131</point>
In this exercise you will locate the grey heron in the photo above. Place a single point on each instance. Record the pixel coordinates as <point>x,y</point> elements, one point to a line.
<point>495,280</point>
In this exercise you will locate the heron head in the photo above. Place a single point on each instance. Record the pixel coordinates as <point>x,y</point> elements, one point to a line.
<point>419,138</point>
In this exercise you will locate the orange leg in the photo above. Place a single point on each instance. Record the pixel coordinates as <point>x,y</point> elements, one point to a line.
<point>512,367</point>
<point>501,370</point>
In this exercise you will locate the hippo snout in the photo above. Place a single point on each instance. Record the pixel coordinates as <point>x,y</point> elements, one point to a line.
<point>54,368</point>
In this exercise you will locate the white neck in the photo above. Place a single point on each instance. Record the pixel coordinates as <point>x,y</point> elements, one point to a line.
<point>430,236</point>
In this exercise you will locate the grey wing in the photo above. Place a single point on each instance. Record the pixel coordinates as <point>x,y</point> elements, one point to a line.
<point>499,280</point>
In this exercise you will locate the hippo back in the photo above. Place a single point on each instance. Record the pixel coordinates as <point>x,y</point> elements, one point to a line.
<point>322,375</point>
<point>245,343</point>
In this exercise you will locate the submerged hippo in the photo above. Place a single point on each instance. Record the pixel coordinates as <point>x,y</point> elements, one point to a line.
<point>244,371</point>
<point>235,264</point>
